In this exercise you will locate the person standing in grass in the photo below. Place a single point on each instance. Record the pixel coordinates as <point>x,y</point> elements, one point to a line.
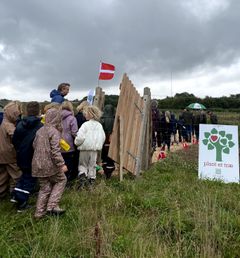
<point>107,121</point>
<point>22,140</point>
<point>48,165</point>
<point>9,171</point>
<point>188,122</point>
<point>69,132</point>
<point>89,140</point>
<point>80,120</point>
<point>79,116</point>
<point>156,126</point>
<point>166,125</point>
<point>1,113</point>
<point>213,118</point>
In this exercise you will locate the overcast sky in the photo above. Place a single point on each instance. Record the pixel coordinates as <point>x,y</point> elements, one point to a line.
<point>171,46</point>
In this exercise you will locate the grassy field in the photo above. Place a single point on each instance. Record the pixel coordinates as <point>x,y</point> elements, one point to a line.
<point>167,212</point>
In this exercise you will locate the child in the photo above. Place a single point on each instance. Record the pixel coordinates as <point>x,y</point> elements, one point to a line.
<point>89,139</point>
<point>9,171</point>
<point>79,116</point>
<point>22,140</point>
<point>80,120</point>
<point>48,165</point>
<point>69,132</point>
<point>107,121</point>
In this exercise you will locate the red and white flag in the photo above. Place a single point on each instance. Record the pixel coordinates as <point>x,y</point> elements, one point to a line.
<point>106,71</point>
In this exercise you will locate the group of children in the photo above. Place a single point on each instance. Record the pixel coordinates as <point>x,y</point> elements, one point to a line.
<point>32,150</point>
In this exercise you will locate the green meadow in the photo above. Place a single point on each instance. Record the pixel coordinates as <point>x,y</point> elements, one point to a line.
<point>166,212</point>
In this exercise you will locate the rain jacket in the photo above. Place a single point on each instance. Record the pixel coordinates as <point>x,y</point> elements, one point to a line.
<point>107,118</point>
<point>7,128</point>
<point>56,96</point>
<point>70,128</point>
<point>90,136</point>
<point>23,139</point>
<point>47,159</point>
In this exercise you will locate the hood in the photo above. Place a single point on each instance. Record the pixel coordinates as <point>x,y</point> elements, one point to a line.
<point>154,104</point>
<point>66,113</point>
<point>53,117</point>
<point>108,111</point>
<point>54,93</point>
<point>30,121</point>
<point>12,111</point>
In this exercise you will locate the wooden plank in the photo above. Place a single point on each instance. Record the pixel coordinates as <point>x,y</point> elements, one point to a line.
<point>146,100</point>
<point>121,148</point>
<point>133,129</point>
<point>115,137</point>
<point>130,131</point>
<point>147,157</point>
<point>136,124</point>
<point>128,111</point>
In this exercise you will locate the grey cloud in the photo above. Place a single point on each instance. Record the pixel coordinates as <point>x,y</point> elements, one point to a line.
<point>54,41</point>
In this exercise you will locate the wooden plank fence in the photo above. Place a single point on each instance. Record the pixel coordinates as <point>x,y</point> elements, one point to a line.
<point>131,138</point>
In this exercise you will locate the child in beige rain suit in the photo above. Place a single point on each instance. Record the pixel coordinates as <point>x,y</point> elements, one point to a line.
<point>9,171</point>
<point>48,165</point>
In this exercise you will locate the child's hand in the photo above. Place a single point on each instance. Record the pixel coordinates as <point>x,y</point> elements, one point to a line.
<point>64,169</point>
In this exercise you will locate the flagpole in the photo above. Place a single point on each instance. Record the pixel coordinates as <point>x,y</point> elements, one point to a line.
<point>99,72</point>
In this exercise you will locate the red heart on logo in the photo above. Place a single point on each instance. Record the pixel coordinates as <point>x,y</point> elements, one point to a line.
<point>214,138</point>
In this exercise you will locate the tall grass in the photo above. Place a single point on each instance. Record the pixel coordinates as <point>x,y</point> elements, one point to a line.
<point>167,212</point>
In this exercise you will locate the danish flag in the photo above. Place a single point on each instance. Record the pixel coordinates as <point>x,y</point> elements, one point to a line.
<point>106,71</point>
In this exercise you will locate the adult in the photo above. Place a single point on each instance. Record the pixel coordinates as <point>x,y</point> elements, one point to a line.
<point>59,94</point>
<point>156,137</point>
<point>188,121</point>
<point>1,113</point>
<point>166,127</point>
<point>196,122</point>
<point>107,121</point>
<point>213,117</point>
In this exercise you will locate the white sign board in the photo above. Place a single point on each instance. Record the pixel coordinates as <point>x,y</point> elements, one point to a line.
<point>218,153</point>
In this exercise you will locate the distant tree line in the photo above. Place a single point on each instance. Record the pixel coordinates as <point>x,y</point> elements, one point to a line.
<point>179,101</point>
<point>182,100</point>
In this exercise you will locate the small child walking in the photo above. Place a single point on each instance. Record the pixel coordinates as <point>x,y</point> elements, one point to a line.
<point>48,165</point>
<point>89,140</point>
<point>23,138</point>
<point>69,132</point>
<point>9,171</point>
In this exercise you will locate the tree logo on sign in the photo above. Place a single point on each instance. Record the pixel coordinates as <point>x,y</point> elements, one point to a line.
<point>220,141</point>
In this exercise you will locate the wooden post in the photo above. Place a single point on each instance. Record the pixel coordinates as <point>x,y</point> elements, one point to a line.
<point>99,98</point>
<point>121,148</point>
<point>146,104</point>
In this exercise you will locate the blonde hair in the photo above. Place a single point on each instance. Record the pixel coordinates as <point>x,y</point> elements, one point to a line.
<point>67,105</point>
<point>51,105</point>
<point>16,103</point>
<point>93,111</point>
<point>167,116</point>
<point>82,105</point>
